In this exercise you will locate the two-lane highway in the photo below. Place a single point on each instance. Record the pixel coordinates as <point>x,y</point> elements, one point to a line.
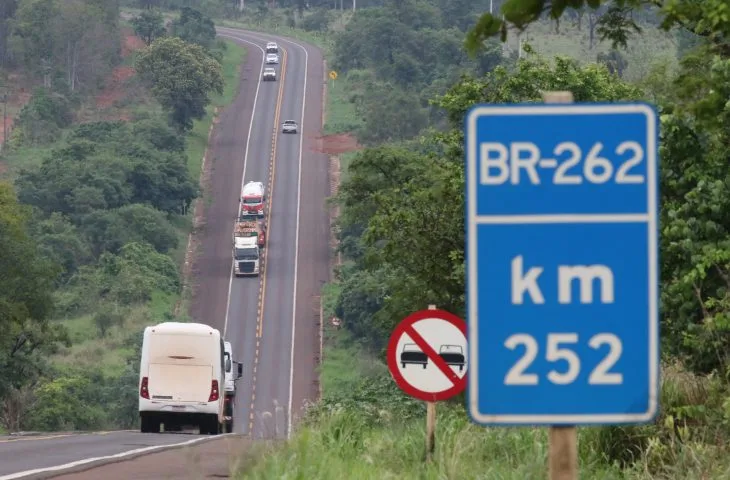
<point>274,349</point>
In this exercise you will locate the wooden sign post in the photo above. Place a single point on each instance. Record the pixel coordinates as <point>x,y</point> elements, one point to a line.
<point>430,422</point>
<point>562,440</point>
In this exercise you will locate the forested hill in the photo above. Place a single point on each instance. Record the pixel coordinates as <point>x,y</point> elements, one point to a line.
<point>98,174</point>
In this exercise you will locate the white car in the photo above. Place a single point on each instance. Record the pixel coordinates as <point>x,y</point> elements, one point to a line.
<point>272,58</point>
<point>269,75</point>
<point>272,47</point>
<point>289,126</point>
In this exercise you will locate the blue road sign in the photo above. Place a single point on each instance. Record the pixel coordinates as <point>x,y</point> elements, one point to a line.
<point>562,263</point>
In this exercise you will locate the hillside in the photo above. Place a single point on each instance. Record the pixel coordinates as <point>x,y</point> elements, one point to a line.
<point>102,187</point>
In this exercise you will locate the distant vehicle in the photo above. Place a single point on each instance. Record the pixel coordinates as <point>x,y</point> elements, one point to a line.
<point>180,376</point>
<point>272,58</point>
<point>253,197</point>
<point>453,355</point>
<point>246,256</point>
<point>230,387</point>
<point>289,126</point>
<point>412,354</point>
<point>269,75</point>
<point>272,47</point>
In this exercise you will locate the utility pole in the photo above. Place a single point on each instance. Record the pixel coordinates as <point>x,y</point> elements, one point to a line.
<point>5,117</point>
<point>491,6</point>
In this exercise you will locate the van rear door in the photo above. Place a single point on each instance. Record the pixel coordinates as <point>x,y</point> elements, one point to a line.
<point>180,383</point>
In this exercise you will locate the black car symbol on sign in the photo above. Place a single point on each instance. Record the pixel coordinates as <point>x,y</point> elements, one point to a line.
<point>453,355</point>
<point>412,354</point>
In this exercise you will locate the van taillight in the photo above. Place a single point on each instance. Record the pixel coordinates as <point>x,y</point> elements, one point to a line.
<point>143,389</point>
<point>213,391</point>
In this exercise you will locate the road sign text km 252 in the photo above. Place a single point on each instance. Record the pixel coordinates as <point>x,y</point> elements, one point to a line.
<point>562,263</point>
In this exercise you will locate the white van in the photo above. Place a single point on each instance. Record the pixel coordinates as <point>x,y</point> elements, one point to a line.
<point>181,378</point>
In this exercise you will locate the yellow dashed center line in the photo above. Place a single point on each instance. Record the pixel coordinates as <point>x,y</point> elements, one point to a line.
<point>263,269</point>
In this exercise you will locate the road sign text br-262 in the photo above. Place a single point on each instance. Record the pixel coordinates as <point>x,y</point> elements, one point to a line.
<point>562,263</point>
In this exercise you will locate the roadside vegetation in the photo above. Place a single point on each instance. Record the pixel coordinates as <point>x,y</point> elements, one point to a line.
<point>100,175</point>
<point>404,83</point>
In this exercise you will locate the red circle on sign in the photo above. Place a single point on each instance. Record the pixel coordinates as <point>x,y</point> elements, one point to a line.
<point>459,384</point>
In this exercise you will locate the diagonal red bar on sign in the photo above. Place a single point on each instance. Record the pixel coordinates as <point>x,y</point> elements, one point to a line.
<point>432,355</point>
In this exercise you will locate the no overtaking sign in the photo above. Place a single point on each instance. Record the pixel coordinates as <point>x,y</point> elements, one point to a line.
<point>427,355</point>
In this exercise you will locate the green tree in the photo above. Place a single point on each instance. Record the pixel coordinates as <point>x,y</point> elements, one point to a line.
<point>78,39</point>
<point>61,241</point>
<point>7,12</point>
<point>181,76</point>
<point>26,287</point>
<point>67,403</point>
<point>411,201</point>
<point>149,25</point>
<point>110,230</point>
<point>707,19</point>
<point>194,27</point>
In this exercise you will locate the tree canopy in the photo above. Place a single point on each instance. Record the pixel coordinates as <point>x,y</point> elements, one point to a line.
<point>181,76</point>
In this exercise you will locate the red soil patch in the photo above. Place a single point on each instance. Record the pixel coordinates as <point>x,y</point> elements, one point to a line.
<point>114,90</point>
<point>130,43</point>
<point>338,143</point>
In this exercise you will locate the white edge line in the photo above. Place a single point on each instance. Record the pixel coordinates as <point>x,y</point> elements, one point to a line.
<point>296,244</point>
<point>245,162</point>
<point>299,199</point>
<point>108,457</point>
<point>651,219</point>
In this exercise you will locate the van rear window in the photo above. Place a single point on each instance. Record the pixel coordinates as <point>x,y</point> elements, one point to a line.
<point>184,349</point>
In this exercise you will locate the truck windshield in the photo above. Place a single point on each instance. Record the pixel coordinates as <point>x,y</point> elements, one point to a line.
<point>247,253</point>
<point>252,200</point>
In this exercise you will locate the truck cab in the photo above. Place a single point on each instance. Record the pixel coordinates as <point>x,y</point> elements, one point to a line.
<point>253,198</point>
<point>246,257</point>
<point>231,376</point>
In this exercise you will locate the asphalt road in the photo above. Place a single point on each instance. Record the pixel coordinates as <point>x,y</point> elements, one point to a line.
<point>18,454</point>
<point>271,320</point>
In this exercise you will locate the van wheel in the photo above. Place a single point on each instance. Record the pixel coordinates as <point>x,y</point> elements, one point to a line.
<point>149,424</point>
